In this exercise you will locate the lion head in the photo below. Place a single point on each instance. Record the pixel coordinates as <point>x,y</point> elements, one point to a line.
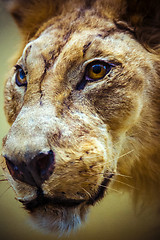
<point>82,101</point>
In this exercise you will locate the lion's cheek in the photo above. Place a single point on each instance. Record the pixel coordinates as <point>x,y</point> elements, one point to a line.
<point>78,174</point>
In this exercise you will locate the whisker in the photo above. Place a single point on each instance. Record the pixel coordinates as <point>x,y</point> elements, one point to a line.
<point>1,195</point>
<point>115,190</point>
<point>107,177</point>
<point>90,157</point>
<point>123,175</point>
<point>118,174</point>
<point>3,180</point>
<point>86,192</point>
<point>125,154</point>
<point>126,184</point>
<point>110,188</point>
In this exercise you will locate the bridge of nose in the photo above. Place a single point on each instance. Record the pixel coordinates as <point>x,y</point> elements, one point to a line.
<point>28,134</point>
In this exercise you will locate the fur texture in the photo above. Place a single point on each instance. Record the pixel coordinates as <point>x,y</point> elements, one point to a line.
<point>96,129</point>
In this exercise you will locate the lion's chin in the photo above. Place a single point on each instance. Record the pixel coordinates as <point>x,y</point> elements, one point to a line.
<point>61,220</point>
<point>61,215</point>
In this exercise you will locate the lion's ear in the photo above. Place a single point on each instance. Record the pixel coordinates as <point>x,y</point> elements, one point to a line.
<point>30,14</point>
<point>144,16</point>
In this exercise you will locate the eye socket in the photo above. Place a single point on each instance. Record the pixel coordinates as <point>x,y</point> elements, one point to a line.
<point>97,70</point>
<point>20,77</point>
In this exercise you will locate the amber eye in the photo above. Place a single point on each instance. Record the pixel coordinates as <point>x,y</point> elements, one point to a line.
<point>97,70</point>
<point>94,71</point>
<point>20,77</point>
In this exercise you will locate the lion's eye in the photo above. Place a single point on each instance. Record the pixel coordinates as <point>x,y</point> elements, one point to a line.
<point>97,70</point>
<point>94,71</point>
<point>20,77</point>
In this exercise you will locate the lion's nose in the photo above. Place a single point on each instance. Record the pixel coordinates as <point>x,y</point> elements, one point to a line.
<point>36,171</point>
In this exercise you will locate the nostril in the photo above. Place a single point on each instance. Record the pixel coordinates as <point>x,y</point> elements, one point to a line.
<point>19,172</point>
<point>45,164</point>
<point>14,170</point>
<point>42,166</point>
<point>36,171</point>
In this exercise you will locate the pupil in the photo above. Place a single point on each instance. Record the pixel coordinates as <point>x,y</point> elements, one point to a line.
<point>96,69</point>
<point>22,74</point>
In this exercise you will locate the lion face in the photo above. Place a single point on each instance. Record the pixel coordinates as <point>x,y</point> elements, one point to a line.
<point>72,99</point>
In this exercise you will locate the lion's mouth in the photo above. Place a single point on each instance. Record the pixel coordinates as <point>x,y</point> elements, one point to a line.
<point>41,200</point>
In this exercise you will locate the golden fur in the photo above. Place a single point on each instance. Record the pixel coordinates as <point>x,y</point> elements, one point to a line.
<point>108,127</point>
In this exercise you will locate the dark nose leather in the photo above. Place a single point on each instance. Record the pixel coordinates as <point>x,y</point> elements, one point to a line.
<point>36,171</point>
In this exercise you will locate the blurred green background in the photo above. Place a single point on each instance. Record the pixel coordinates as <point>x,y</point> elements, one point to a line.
<point>113,218</point>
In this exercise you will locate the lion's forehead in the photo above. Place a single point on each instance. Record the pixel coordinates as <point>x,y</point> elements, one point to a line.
<point>80,46</point>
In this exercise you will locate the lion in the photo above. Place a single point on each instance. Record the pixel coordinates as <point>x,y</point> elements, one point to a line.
<point>83,103</point>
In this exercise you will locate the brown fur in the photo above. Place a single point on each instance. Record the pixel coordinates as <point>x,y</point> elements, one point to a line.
<point>109,127</point>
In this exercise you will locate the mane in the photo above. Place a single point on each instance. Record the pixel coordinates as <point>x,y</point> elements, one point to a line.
<point>145,17</point>
<point>141,15</point>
